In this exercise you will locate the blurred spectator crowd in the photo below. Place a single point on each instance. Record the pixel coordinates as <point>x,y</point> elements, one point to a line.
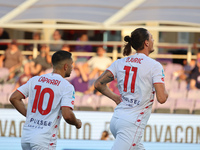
<point>182,80</point>
<point>16,69</point>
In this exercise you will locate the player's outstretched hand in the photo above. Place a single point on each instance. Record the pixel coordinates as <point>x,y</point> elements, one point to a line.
<point>79,124</point>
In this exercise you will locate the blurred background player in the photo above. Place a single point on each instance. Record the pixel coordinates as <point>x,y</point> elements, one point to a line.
<point>138,77</point>
<point>50,98</point>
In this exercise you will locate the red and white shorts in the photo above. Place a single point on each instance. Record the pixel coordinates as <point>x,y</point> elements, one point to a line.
<point>127,135</point>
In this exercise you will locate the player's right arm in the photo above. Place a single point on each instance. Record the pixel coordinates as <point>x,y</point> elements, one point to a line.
<point>106,77</point>
<point>16,100</point>
<point>70,118</point>
<point>101,85</point>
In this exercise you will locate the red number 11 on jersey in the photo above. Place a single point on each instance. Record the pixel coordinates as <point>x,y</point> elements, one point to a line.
<point>127,72</point>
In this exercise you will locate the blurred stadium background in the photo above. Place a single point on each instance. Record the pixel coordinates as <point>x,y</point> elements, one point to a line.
<point>175,26</point>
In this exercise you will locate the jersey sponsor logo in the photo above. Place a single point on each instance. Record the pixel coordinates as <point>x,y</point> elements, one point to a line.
<point>39,122</point>
<point>132,101</point>
<point>162,79</point>
<point>49,81</point>
<point>134,60</point>
<point>35,126</point>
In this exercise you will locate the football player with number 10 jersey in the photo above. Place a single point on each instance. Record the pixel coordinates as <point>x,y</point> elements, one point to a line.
<point>50,98</point>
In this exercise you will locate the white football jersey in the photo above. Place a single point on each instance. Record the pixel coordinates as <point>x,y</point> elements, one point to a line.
<point>47,94</point>
<point>136,75</point>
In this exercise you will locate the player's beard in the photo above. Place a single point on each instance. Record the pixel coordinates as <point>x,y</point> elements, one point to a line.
<point>151,51</point>
<point>67,74</point>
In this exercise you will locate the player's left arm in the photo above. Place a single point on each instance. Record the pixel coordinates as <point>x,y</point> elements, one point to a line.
<point>101,85</point>
<point>16,100</point>
<point>70,117</point>
<point>161,92</point>
<point>159,84</point>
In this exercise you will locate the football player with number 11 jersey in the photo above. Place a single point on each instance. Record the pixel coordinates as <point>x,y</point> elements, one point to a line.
<point>139,77</point>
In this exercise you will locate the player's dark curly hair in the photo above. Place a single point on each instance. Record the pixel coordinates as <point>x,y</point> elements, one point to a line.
<point>136,41</point>
<point>59,56</point>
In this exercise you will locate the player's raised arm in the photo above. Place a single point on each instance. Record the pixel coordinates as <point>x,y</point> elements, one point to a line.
<point>101,85</point>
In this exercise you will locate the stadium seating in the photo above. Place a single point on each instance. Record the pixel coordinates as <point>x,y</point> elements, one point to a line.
<point>176,94</point>
<point>170,68</point>
<point>106,104</point>
<point>77,102</point>
<point>193,94</point>
<point>196,109</point>
<point>89,102</point>
<point>183,85</point>
<point>167,107</point>
<point>183,106</point>
<point>8,88</point>
<point>4,73</point>
<point>4,98</point>
<point>1,105</point>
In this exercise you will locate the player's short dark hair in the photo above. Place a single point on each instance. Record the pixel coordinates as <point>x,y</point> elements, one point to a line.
<point>59,56</point>
<point>136,41</point>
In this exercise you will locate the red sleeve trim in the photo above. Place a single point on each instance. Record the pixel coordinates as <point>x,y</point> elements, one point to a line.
<point>68,106</point>
<point>22,94</point>
<point>159,83</point>
<point>111,73</point>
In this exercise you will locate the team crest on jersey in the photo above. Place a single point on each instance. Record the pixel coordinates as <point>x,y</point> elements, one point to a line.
<point>73,96</point>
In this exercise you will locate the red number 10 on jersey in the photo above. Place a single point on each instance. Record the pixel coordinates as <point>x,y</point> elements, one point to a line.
<point>40,96</point>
